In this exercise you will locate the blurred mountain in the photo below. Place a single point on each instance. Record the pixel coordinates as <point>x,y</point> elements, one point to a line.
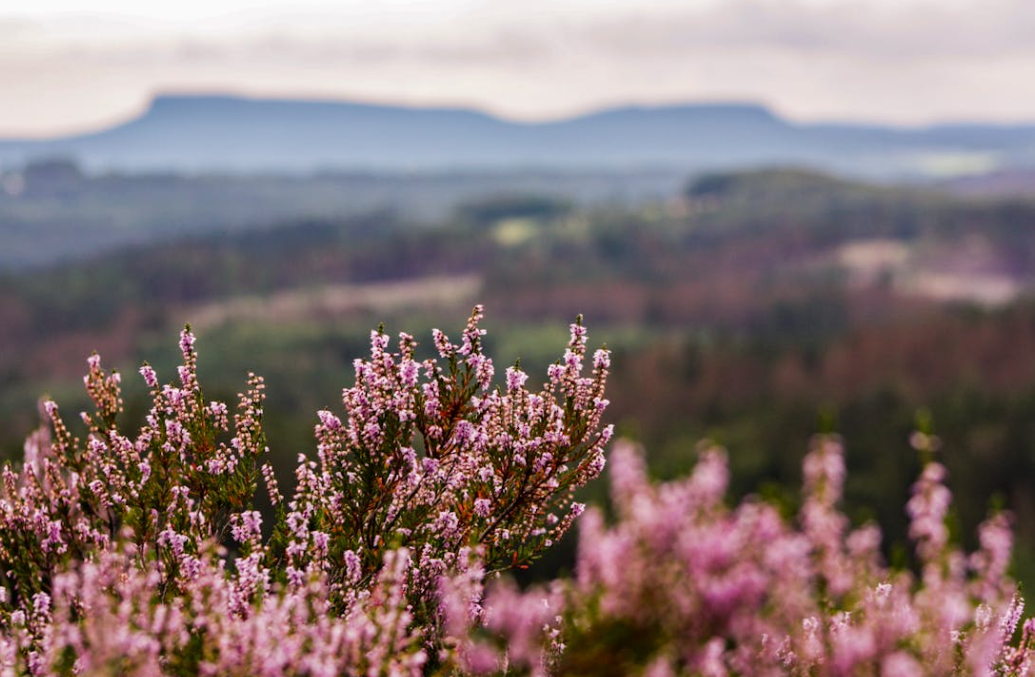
<point>222,133</point>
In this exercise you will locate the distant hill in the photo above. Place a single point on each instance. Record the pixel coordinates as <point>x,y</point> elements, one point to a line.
<point>1004,183</point>
<point>222,133</point>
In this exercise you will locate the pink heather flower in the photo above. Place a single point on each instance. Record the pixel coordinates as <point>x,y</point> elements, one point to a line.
<point>991,561</point>
<point>41,603</point>
<point>660,667</point>
<point>996,539</point>
<point>431,398</point>
<point>578,333</point>
<point>378,341</point>
<point>1011,617</point>
<point>515,379</point>
<point>272,488</point>
<point>54,542</point>
<point>247,526</point>
<point>480,659</point>
<point>472,333</point>
<point>186,341</point>
<point>484,372</point>
<point>173,540</point>
<point>149,376</point>
<point>447,523</point>
<point>320,543</point>
<point>174,395</point>
<point>218,410</point>
<point>710,663</point>
<point>329,420</point>
<point>442,344</point>
<point>864,541</point>
<point>353,568</point>
<point>596,465</point>
<point>482,507</point>
<point>94,362</point>
<point>901,664</point>
<point>372,432</point>
<point>464,432</point>
<point>927,510</point>
<point>710,477</point>
<point>408,372</point>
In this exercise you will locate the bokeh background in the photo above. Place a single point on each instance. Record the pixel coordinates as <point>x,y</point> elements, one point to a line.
<point>783,216</point>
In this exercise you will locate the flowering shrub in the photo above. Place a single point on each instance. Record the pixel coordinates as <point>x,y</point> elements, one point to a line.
<point>144,554</point>
<point>684,585</point>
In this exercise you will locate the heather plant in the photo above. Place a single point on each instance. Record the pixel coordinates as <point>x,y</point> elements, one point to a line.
<point>682,584</point>
<point>437,460</point>
<point>145,554</point>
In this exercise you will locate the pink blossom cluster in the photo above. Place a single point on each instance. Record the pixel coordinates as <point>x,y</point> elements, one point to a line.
<point>432,457</point>
<point>110,615</point>
<point>682,584</point>
<point>145,554</point>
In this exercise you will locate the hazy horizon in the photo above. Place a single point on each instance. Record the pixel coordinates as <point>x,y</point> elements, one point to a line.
<point>912,62</point>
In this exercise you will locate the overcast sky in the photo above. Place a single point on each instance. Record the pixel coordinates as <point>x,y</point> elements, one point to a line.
<point>901,61</point>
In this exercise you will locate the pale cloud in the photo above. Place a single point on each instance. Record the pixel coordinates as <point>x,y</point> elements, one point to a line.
<point>903,61</point>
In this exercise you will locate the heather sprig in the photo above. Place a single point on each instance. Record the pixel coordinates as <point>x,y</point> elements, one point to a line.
<point>434,457</point>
